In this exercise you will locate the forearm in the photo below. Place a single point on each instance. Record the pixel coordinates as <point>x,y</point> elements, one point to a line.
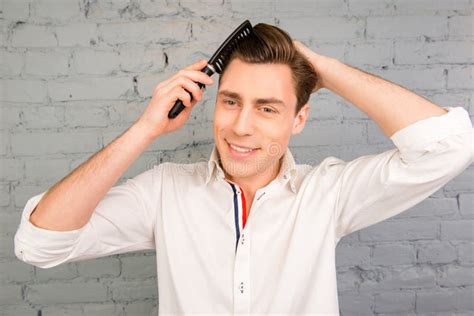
<point>391,106</point>
<point>69,204</point>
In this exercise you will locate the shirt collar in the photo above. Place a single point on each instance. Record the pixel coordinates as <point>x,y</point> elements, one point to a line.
<point>287,171</point>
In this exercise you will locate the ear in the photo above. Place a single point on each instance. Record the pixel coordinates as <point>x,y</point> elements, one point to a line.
<point>300,119</point>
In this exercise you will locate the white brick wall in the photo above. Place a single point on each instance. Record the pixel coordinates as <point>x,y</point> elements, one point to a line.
<point>75,74</point>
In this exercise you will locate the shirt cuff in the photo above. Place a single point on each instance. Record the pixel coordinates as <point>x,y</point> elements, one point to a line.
<point>432,129</point>
<point>29,238</point>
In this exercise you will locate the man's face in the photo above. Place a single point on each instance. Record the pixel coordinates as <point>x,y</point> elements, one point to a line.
<point>255,109</point>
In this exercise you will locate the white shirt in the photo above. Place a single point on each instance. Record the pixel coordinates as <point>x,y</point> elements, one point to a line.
<point>282,261</point>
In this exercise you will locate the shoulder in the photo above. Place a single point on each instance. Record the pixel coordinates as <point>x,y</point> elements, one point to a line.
<point>330,168</point>
<point>182,171</point>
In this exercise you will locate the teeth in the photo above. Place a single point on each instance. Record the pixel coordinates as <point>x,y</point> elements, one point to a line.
<point>240,149</point>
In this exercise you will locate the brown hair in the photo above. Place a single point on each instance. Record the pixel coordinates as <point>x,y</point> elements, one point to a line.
<point>273,45</point>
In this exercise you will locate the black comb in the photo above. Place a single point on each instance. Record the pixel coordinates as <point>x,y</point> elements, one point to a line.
<point>218,61</point>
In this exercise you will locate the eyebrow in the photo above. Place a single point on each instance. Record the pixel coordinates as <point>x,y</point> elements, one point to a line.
<point>237,96</point>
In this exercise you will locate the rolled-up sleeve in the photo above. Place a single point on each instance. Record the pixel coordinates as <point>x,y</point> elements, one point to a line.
<point>428,154</point>
<point>123,221</point>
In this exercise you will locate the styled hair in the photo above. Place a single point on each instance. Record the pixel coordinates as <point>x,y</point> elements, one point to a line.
<point>272,45</point>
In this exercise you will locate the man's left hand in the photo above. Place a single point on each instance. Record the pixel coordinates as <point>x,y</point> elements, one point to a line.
<point>315,59</point>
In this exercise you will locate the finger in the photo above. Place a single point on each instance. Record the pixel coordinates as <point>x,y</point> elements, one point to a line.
<point>196,76</point>
<point>197,65</point>
<point>179,93</point>
<point>189,85</point>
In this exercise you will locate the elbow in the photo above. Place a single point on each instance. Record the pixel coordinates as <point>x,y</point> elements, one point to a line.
<point>32,254</point>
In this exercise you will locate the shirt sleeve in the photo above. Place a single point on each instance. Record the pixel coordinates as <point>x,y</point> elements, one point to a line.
<point>428,154</point>
<point>123,221</point>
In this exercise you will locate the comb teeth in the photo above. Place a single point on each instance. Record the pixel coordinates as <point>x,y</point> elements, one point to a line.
<point>227,50</point>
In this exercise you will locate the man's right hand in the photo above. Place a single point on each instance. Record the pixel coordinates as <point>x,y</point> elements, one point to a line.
<point>166,93</point>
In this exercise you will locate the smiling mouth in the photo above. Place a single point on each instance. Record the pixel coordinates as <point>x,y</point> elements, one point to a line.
<point>239,151</point>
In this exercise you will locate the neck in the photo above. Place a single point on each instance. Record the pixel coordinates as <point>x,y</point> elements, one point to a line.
<point>250,185</point>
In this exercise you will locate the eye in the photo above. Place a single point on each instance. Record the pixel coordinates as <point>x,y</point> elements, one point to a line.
<point>229,102</point>
<point>268,110</point>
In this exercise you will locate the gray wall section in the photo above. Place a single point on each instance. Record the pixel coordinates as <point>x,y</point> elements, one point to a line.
<point>76,74</point>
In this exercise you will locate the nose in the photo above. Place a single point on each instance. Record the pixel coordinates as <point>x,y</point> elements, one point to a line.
<point>243,124</point>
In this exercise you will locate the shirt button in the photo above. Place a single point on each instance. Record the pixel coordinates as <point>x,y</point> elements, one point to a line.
<point>241,287</point>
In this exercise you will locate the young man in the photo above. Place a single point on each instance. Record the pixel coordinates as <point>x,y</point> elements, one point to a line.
<point>249,231</point>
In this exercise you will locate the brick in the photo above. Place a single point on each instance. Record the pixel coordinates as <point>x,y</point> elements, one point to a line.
<point>106,9</point>
<point>461,183</point>
<point>77,34</point>
<point>134,290</point>
<point>466,205</point>
<point>460,77</point>
<point>14,271</point>
<point>333,28</point>
<point>398,278</point>
<point>41,143</point>
<point>432,207</point>
<point>158,31</point>
<point>457,230</point>
<point>27,35</point>
<point>46,170</point>
<point>99,268</point>
<point>12,169</point>
<point>19,310</point>
<point>66,293</point>
<point>6,250</point>
<point>54,10</point>
<point>103,309</point>
<point>395,302</point>
<point>454,276</point>
<point>348,255</point>
<point>10,118</point>
<point>351,303</point>
<point>70,309</point>
<point>86,114</point>
<point>420,52</point>
<point>46,63</point>
<point>66,271</point>
<point>9,222</point>
<point>17,90</point>
<point>413,79</point>
<point>109,88</point>
<point>348,279</point>
<point>400,230</point>
<point>11,63</point>
<point>220,30</point>
<point>447,300</point>
<point>123,114</point>
<point>22,193</point>
<point>141,308</point>
<point>406,26</point>
<point>96,62</point>
<point>16,10</point>
<point>42,116</point>
<point>146,84</point>
<point>460,26</point>
<point>389,254</point>
<point>371,53</point>
<point>141,267</point>
<point>334,134</point>
<point>10,294</point>
<point>425,6</point>
<point>158,8</point>
<point>369,7</point>
<point>435,252</point>
<point>4,194</point>
<point>140,59</point>
<point>465,253</point>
